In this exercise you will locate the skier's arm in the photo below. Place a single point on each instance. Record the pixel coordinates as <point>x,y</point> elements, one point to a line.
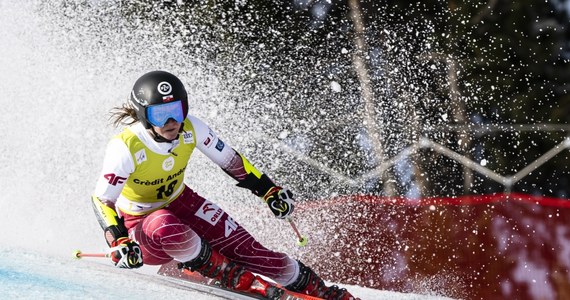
<point>247,175</point>
<point>117,166</point>
<point>279,200</point>
<point>112,225</point>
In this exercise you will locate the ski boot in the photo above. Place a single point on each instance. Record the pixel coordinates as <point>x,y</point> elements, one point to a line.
<point>310,283</point>
<point>210,263</point>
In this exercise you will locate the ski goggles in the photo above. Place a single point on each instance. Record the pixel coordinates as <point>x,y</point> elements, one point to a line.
<point>159,114</point>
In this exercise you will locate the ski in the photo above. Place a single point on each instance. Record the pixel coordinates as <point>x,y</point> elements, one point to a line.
<point>260,288</point>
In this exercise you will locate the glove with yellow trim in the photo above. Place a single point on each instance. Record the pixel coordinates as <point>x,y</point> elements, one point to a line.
<point>127,253</point>
<point>280,201</point>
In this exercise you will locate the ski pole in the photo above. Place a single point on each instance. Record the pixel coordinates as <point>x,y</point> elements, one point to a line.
<point>77,254</point>
<point>301,240</point>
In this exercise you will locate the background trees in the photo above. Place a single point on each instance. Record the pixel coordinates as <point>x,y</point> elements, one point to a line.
<point>451,71</point>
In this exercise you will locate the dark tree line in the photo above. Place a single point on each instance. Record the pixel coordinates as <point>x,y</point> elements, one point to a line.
<point>440,69</point>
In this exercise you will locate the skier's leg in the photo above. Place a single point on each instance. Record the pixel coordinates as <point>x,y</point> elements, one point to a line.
<point>233,241</point>
<point>212,264</point>
<point>162,237</point>
<point>226,236</point>
<point>309,283</point>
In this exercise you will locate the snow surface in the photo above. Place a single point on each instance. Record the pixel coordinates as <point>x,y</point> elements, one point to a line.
<point>56,90</point>
<point>26,275</point>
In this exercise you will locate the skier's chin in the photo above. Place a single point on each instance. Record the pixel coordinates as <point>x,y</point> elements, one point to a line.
<point>169,131</point>
<point>170,134</point>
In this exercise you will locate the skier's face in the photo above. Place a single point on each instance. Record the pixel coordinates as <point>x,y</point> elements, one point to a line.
<point>170,129</point>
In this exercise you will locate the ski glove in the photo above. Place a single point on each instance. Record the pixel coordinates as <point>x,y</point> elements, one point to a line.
<point>280,201</point>
<point>127,253</point>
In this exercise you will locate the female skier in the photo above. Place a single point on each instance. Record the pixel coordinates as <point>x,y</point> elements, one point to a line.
<point>147,211</point>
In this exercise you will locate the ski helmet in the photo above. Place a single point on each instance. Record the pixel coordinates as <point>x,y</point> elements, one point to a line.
<point>158,96</point>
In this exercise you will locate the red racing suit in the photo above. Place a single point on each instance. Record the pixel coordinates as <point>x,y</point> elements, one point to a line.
<point>141,192</point>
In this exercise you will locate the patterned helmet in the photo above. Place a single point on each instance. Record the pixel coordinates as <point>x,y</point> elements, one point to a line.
<point>158,96</point>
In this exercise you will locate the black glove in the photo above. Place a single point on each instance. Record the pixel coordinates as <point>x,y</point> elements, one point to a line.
<point>280,201</point>
<point>127,253</point>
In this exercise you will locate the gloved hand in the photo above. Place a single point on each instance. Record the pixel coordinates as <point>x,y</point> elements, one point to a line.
<point>280,201</point>
<point>127,253</point>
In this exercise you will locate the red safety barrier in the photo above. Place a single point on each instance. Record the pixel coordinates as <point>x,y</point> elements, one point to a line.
<point>496,246</point>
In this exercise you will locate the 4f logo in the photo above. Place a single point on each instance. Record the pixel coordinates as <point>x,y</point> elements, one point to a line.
<point>210,212</point>
<point>207,207</point>
<point>114,179</point>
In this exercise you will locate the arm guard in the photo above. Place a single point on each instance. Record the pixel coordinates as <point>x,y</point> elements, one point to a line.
<point>112,225</point>
<point>257,183</point>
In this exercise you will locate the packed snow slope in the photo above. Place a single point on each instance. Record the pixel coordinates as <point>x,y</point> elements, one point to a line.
<point>26,275</point>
